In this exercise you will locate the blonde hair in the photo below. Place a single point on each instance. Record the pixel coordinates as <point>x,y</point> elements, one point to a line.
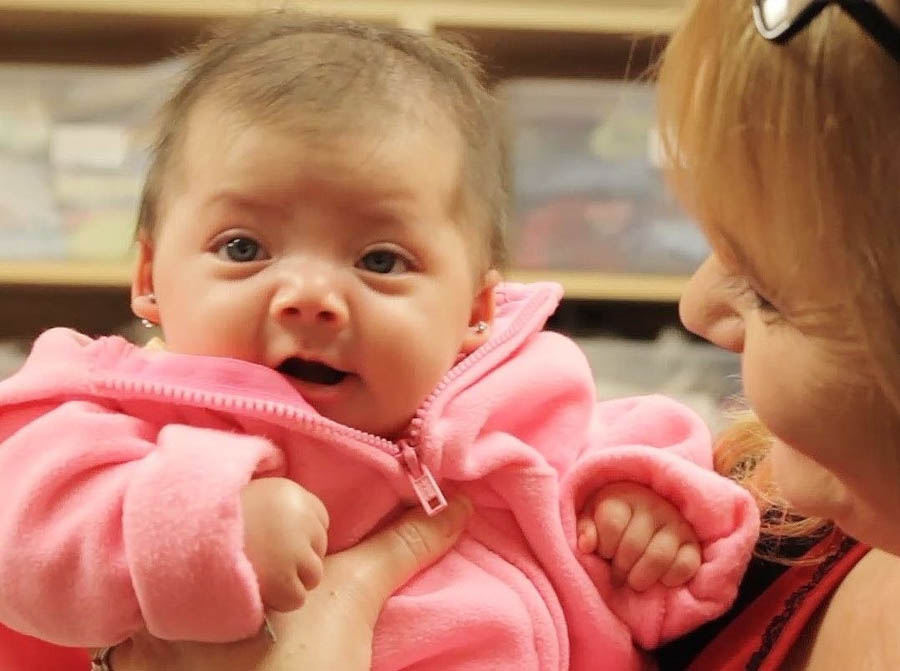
<point>741,453</point>
<point>799,144</point>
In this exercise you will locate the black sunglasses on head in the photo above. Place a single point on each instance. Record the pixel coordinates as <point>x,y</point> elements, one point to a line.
<point>780,20</point>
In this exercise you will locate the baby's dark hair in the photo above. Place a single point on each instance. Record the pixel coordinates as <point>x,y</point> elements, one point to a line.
<point>341,74</point>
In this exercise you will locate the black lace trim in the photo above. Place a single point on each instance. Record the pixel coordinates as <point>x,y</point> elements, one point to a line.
<point>792,603</point>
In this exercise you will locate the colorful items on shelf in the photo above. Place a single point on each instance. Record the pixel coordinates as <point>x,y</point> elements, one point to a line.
<point>73,146</point>
<point>589,191</point>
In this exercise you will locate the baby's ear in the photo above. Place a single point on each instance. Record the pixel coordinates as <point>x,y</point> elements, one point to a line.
<point>481,320</point>
<point>143,300</point>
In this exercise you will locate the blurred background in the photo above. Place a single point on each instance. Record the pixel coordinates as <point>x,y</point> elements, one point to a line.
<point>80,81</point>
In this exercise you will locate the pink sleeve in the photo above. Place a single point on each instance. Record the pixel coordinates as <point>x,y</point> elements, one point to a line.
<point>110,525</point>
<point>656,442</point>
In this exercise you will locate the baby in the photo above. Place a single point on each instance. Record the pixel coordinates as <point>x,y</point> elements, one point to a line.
<point>319,240</point>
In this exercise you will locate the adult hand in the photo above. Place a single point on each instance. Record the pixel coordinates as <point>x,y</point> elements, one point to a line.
<point>334,628</point>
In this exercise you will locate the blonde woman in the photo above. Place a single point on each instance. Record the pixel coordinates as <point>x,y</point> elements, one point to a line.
<point>782,120</point>
<point>782,123</point>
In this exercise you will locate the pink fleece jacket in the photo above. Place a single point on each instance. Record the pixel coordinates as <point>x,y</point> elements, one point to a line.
<point>121,468</point>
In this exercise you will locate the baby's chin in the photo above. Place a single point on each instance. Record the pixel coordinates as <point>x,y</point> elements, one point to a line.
<point>367,420</point>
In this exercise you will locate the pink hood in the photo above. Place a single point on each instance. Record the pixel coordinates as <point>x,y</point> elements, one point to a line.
<point>130,462</point>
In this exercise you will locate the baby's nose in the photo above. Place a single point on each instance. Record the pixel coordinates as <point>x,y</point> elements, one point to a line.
<point>310,299</point>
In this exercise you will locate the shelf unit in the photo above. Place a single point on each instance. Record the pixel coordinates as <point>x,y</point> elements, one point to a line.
<point>584,38</point>
<point>566,38</point>
<point>582,285</point>
<point>571,15</point>
<point>64,273</point>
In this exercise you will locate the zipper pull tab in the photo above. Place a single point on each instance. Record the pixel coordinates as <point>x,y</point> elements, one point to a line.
<point>424,485</point>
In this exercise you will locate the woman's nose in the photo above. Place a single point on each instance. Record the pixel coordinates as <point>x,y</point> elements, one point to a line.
<point>707,307</point>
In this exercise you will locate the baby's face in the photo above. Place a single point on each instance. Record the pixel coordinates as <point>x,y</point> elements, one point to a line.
<point>338,263</point>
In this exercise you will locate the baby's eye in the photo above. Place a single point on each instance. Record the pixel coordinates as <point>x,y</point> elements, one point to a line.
<point>241,250</point>
<point>384,262</point>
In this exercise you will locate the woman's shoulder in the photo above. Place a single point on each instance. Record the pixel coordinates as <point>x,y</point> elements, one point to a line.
<point>858,628</point>
<point>774,607</point>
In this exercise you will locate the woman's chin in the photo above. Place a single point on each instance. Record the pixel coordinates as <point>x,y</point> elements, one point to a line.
<point>808,487</point>
<point>813,490</point>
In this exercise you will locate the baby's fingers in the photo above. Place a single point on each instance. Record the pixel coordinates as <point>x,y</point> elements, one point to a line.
<point>282,590</point>
<point>612,517</point>
<point>310,568</point>
<point>685,565</point>
<point>656,560</point>
<point>634,541</point>
<point>587,535</point>
<point>318,540</point>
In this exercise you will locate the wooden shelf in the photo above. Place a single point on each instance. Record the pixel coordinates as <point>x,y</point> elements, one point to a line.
<point>586,285</point>
<point>64,273</point>
<point>615,39</point>
<point>139,31</point>
<point>611,16</point>
<point>579,285</point>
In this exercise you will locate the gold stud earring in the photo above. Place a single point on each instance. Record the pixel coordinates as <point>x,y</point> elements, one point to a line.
<point>147,324</point>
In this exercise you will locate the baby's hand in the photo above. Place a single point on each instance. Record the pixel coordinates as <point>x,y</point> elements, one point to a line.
<point>644,535</point>
<point>285,538</point>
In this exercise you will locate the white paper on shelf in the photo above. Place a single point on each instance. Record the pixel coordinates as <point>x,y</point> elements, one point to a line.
<point>25,198</point>
<point>24,123</point>
<point>90,145</point>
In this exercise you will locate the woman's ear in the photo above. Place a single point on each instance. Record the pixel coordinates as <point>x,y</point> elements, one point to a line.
<point>143,300</point>
<point>481,320</point>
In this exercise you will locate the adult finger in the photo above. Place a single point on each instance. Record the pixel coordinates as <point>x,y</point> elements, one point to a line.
<point>381,564</point>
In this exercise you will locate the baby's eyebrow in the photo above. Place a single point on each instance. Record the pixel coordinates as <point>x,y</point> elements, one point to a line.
<point>389,212</point>
<point>244,201</point>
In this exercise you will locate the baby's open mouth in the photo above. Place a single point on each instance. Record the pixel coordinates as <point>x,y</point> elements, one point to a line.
<point>311,371</point>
